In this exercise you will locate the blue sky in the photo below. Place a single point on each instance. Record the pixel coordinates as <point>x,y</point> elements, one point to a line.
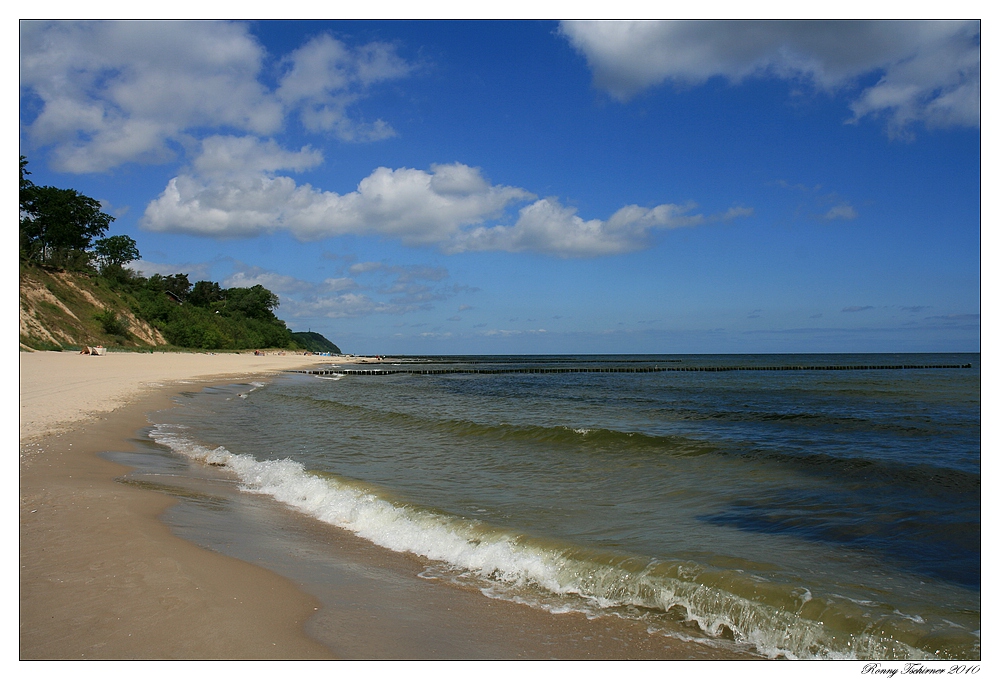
<point>537,187</point>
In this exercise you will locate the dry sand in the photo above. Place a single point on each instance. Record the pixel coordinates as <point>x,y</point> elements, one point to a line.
<point>59,389</point>
<point>100,577</point>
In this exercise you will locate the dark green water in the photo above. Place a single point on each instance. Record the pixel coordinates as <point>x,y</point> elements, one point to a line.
<point>806,513</point>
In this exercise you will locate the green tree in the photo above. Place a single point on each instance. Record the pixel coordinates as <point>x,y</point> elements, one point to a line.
<point>26,193</point>
<point>205,293</point>
<point>57,225</point>
<point>256,302</point>
<point>26,184</point>
<point>178,284</point>
<point>115,251</point>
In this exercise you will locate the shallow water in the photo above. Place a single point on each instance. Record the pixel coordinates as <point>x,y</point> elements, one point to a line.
<point>806,514</point>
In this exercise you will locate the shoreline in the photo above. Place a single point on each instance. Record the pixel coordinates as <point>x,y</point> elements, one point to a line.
<point>59,389</point>
<point>102,575</point>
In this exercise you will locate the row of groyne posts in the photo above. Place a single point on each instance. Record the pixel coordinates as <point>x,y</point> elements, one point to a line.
<point>616,369</point>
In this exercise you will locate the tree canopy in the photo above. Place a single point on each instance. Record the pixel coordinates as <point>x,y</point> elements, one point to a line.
<point>115,251</point>
<point>57,225</point>
<point>205,293</point>
<point>256,302</point>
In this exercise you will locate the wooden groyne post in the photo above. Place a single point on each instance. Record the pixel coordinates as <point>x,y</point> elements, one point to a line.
<point>619,369</point>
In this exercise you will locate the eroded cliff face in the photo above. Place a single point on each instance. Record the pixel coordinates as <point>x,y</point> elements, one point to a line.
<point>59,310</point>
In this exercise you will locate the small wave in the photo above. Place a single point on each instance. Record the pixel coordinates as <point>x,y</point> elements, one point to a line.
<point>921,476</point>
<point>557,435</point>
<point>776,620</point>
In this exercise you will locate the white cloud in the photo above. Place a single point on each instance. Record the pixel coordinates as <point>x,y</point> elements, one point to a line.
<point>546,226</point>
<point>930,71</point>
<point>448,207</point>
<point>225,156</point>
<point>324,77</point>
<point>115,92</point>
<point>108,93</point>
<point>416,206</point>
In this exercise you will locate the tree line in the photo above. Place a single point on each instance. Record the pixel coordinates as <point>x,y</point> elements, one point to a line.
<point>63,229</point>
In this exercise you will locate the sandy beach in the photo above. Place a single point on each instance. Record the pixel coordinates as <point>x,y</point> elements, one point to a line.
<point>102,577</point>
<point>60,389</point>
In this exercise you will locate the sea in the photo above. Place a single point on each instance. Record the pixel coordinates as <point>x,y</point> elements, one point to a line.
<point>799,506</point>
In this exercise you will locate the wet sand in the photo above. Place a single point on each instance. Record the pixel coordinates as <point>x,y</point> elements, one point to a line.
<point>101,576</point>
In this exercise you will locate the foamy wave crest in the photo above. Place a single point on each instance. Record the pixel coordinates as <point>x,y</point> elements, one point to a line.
<point>399,528</point>
<point>513,566</point>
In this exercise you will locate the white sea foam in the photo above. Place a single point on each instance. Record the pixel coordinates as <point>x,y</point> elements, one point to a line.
<point>510,566</point>
<point>916,618</point>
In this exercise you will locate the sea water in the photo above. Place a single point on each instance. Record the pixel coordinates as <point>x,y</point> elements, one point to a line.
<point>797,513</point>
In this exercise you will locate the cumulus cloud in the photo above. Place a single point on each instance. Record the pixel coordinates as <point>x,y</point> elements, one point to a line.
<point>114,92</point>
<point>928,71</point>
<point>449,206</point>
<point>325,76</point>
<point>107,93</point>
<point>223,156</point>
<point>416,206</point>
<point>546,226</point>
